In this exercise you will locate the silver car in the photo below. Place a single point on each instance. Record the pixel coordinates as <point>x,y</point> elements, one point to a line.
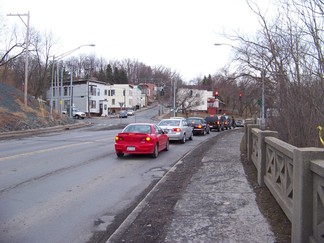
<point>177,129</point>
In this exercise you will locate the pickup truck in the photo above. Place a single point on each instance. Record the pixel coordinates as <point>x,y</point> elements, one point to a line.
<point>76,113</point>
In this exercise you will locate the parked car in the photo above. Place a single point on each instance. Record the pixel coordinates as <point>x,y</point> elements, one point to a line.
<point>130,112</point>
<point>141,138</point>
<point>239,123</point>
<point>213,122</point>
<point>177,129</point>
<point>199,125</point>
<point>123,114</point>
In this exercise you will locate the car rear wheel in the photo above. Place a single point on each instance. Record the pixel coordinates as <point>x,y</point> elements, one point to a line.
<point>183,140</point>
<point>156,151</point>
<point>167,146</point>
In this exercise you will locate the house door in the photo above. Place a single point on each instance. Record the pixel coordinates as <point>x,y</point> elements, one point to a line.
<point>103,108</point>
<point>100,109</point>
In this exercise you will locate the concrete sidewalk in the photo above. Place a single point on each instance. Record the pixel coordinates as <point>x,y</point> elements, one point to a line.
<point>219,205</point>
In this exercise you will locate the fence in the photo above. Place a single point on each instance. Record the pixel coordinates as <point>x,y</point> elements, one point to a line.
<point>294,176</point>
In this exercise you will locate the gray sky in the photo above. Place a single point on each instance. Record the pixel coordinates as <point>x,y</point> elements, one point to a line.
<point>178,34</point>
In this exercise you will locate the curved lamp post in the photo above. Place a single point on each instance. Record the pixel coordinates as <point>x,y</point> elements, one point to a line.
<point>56,58</point>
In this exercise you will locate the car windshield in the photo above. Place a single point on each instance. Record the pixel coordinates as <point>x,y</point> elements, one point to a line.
<point>138,129</point>
<point>169,123</point>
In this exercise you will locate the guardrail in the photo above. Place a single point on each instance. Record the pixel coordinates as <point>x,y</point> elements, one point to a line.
<point>294,176</point>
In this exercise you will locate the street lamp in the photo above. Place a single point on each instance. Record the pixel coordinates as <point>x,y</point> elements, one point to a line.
<point>56,58</point>
<point>26,52</point>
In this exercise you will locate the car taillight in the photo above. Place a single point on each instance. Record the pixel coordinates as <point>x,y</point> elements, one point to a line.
<point>218,122</point>
<point>117,138</point>
<point>177,129</point>
<point>145,139</point>
<point>199,126</point>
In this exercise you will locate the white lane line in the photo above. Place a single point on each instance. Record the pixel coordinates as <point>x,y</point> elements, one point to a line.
<point>49,150</point>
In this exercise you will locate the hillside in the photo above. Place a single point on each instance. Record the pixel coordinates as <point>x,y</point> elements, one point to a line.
<point>15,116</point>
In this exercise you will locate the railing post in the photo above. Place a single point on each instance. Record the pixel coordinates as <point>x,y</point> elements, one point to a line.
<point>262,154</point>
<point>302,217</point>
<point>249,142</point>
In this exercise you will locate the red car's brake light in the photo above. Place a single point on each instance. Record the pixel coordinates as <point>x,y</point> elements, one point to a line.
<point>199,126</point>
<point>177,129</point>
<point>146,139</point>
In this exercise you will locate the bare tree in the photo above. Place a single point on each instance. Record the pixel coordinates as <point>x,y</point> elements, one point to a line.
<point>288,50</point>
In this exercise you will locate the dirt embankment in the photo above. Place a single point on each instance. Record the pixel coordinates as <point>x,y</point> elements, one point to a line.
<point>15,116</point>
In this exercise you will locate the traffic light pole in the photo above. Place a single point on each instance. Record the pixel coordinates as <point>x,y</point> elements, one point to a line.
<point>262,125</point>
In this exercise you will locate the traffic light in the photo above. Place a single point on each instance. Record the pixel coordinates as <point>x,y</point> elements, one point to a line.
<point>216,94</point>
<point>259,102</point>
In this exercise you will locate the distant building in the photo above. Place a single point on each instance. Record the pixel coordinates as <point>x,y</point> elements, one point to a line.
<point>193,99</point>
<point>96,97</point>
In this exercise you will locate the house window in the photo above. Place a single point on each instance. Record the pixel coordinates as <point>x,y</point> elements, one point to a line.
<point>106,92</point>
<point>112,92</point>
<point>92,104</point>
<point>98,93</point>
<point>65,91</point>
<point>113,101</point>
<point>92,90</point>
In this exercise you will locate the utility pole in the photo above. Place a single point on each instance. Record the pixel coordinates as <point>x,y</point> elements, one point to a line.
<point>262,101</point>
<point>26,52</point>
<point>174,97</point>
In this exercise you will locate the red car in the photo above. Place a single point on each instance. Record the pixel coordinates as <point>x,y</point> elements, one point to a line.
<point>141,138</point>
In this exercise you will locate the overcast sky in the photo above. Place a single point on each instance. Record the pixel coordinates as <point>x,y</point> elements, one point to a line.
<point>178,34</point>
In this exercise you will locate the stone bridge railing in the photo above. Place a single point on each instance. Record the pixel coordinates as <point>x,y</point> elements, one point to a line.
<point>294,176</point>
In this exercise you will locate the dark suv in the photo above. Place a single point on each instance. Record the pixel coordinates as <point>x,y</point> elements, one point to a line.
<point>213,122</point>
<point>226,122</point>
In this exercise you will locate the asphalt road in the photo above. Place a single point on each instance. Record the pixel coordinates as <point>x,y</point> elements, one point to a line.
<point>64,186</point>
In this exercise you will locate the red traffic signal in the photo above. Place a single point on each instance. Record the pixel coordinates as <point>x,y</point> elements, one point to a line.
<point>216,94</point>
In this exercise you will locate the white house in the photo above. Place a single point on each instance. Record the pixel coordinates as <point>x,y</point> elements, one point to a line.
<point>194,99</point>
<point>120,96</point>
<point>89,96</point>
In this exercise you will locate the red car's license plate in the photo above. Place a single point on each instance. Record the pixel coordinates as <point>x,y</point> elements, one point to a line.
<point>130,148</point>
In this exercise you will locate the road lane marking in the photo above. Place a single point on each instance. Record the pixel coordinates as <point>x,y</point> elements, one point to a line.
<point>49,149</point>
<point>41,151</point>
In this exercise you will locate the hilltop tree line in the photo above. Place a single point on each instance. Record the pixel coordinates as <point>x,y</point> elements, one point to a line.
<point>285,56</point>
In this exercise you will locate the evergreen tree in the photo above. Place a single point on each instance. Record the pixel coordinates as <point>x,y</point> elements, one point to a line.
<point>101,75</point>
<point>109,78</point>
